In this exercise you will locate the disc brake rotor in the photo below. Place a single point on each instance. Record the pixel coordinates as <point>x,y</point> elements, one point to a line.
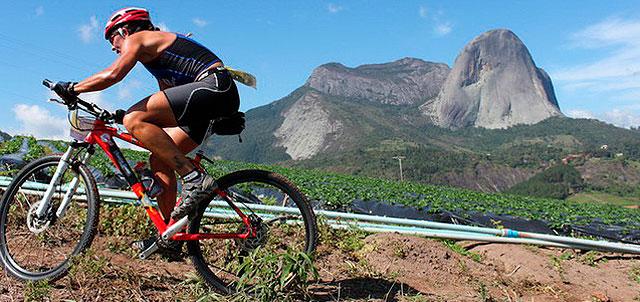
<point>35,224</point>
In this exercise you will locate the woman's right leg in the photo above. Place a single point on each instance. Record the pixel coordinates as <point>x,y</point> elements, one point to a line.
<point>166,175</point>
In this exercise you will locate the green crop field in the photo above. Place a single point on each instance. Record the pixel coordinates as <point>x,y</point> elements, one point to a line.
<point>339,190</point>
<point>605,198</point>
<point>336,190</point>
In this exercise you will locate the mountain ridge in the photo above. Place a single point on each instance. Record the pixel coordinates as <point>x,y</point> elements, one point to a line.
<point>340,120</point>
<point>406,81</point>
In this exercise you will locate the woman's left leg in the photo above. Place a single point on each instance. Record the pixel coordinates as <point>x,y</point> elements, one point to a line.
<point>145,121</point>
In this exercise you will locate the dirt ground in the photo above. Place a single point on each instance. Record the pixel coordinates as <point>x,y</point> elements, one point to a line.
<point>503,272</point>
<point>384,267</point>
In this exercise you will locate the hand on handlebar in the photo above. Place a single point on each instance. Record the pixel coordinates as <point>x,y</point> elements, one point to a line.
<point>70,97</point>
<point>118,116</point>
<point>115,117</point>
<point>65,91</point>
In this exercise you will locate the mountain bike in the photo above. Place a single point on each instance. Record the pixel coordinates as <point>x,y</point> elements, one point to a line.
<point>49,211</point>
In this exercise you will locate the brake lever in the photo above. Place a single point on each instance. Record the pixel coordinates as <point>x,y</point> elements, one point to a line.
<point>69,106</point>
<point>105,115</point>
<point>57,101</point>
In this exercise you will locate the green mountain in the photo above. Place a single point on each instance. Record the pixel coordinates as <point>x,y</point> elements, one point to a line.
<point>356,120</point>
<point>314,120</point>
<point>477,158</point>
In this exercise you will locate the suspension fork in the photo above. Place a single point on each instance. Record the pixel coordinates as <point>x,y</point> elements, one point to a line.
<point>73,186</point>
<point>63,165</point>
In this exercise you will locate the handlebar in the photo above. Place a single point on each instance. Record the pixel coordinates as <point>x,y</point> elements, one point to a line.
<point>48,83</point>
<point>89,107</point>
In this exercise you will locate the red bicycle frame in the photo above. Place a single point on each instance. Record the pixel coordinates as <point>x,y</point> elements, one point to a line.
<point>102,134</point>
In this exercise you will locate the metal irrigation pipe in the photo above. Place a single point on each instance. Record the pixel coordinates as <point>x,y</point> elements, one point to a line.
<point>508,233</point>
<point>434,233</point>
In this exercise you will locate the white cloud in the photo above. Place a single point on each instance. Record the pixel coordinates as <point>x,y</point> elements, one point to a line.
<point>573,87</point>
<point>621,117</point>
<point>619,69</point>
<point>334,8</point>
<point>423,12</point>
<point>441,26</point>
<point>612,77</point>
<point>163,26</point>
<point>632,95</point>
<point>443,29</point>
<point>39,11</point>
<point>39,122</point>
<point>579,113</point>
<point>125,90</point>
<point>97,98</point>
<point>612,31</point>
<point>87,32</point>
<point>200,22</point>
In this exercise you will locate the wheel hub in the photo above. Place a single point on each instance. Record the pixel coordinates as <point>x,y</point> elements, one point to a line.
<point>35,224</point>
<point>261,236</point>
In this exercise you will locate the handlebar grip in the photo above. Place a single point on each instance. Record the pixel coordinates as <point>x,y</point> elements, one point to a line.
<point>48,83</point>
<point>118,116</point>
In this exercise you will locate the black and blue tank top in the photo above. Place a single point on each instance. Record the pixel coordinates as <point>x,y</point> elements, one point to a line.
<point>181,62</point>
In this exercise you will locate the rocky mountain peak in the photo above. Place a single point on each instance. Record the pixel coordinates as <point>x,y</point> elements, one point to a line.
<point>494,83</point>
<point>406,81</point>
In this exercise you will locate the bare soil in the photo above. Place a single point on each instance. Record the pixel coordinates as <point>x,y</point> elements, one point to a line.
<point>386,267</point>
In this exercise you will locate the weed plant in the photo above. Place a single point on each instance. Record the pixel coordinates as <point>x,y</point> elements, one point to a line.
<point>275,277</point>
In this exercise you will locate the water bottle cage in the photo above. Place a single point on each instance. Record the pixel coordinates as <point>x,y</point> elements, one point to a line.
<point>152,186</point>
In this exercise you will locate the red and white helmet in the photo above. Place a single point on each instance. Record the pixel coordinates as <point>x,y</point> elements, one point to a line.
<point>125,15</point>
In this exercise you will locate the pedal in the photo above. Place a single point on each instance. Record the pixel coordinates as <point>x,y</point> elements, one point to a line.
<point>149,251</point>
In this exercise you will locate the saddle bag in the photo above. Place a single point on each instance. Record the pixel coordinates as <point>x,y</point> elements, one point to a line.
<point>228,125</point>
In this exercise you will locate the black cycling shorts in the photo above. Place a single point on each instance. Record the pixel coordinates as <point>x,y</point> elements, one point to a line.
<point>195,104</point>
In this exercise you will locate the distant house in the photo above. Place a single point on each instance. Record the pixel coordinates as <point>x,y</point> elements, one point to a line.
<point>572,157</point>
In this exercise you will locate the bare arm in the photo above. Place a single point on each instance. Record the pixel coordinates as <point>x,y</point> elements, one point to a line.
<point>131,50</point>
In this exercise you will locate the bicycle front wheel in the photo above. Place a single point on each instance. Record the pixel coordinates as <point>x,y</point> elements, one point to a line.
<point>256,193</point>
<point>32,248</point>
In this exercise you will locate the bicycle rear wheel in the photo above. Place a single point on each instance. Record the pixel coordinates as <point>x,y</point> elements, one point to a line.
<point>33,249</point>
<point>218,261</point>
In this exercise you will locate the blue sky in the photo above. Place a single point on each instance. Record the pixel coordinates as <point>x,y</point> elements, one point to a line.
<point>591,49</point>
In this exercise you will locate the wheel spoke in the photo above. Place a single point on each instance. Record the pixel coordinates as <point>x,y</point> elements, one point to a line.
<point>39,248</point>
<point>219,263</point>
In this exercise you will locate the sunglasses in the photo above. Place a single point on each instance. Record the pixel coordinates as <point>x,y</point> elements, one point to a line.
<point>113,48</point>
